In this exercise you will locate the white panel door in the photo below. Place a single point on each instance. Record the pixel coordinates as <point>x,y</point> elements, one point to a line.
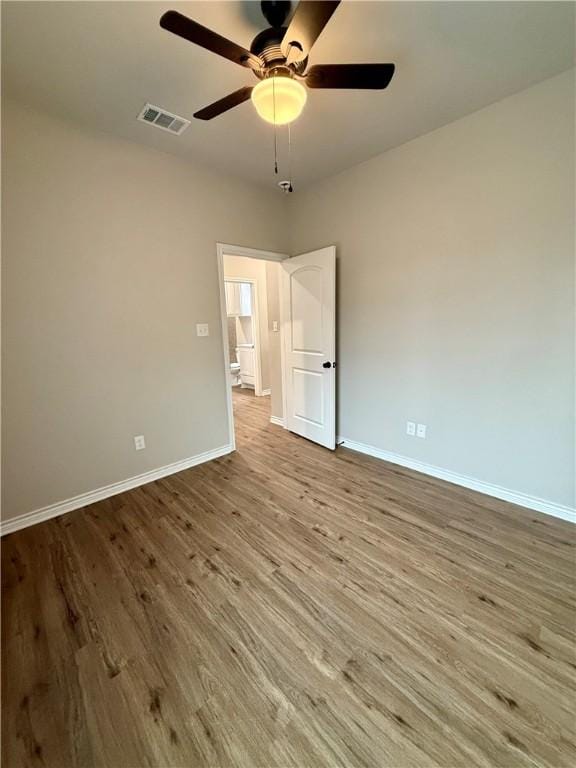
<point>309,317</point>
<point>232,298</point>
<point>244,299</point>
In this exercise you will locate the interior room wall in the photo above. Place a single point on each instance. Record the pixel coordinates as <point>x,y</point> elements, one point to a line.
<point>232,340</point>
<point>456,292</point>
<point>274,338</point>
<point>109,258</point>
<point>456,302</point>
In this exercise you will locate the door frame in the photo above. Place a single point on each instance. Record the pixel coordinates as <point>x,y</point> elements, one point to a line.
<point>223,249</point>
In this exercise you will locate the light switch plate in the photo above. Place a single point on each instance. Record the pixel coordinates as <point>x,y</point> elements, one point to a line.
<point>411,428</point>
<point>421,430</point>
<point>202,329</point>
<point>275,325</point>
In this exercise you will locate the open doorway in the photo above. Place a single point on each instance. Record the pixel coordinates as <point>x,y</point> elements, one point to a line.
<point>278,326</point>
<point>252,334</point>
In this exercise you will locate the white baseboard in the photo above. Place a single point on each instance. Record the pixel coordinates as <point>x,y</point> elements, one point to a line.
<point>505,494</point>
<point>265,393</point>
<point>69,505</point>
<point>278,421</point>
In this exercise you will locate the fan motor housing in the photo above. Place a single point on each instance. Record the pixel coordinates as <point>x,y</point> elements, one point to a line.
<point>266,45</point>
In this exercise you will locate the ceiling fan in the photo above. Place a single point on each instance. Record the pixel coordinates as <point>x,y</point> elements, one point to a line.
<point>278,57</point>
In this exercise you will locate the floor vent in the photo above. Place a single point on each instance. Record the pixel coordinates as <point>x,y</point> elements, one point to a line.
<point>162,119</point>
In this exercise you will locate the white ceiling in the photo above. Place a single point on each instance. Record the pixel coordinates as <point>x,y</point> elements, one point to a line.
<point>97,63</point>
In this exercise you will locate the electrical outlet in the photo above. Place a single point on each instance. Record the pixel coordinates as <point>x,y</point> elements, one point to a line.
<point>275,326</point>
<point>421,431</point>
<point>139,442</point>
<point>202,329</point>
<point>411,428</point>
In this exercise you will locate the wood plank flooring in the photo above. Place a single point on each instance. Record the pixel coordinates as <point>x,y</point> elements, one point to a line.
<point>285,606</point>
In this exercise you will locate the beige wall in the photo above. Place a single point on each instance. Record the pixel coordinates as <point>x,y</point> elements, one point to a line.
<point>109,263</point>
<point>456,292</point>
<point>274,338</point>
<point>456,303</point>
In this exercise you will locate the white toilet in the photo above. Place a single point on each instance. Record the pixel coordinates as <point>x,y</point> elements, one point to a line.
<point>235,374</point>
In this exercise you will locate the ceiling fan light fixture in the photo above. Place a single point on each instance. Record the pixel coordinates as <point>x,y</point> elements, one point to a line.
<point>279,100</point>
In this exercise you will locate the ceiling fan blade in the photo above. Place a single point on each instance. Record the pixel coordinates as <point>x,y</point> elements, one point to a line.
<point>308,21</point>
<point>223,105</point>
<point>375,76</point>
<point>195,33</point>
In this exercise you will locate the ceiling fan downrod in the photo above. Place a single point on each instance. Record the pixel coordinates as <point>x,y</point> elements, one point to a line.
<point>276,12</point>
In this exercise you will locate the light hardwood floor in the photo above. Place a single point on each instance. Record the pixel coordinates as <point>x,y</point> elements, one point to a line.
<point>288,606</point>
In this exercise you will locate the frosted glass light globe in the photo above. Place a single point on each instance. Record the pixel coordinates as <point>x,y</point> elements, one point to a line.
<point>279,100</point>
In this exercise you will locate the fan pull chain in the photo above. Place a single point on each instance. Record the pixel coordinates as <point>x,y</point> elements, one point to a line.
<point>275,153</point>
<point>275,142</point>
<point>289,158</point>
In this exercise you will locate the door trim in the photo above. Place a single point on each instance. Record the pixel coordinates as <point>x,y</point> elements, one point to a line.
<point>252,253</point>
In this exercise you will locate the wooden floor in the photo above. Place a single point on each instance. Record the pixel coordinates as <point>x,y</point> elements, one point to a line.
<point>289,606</point>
